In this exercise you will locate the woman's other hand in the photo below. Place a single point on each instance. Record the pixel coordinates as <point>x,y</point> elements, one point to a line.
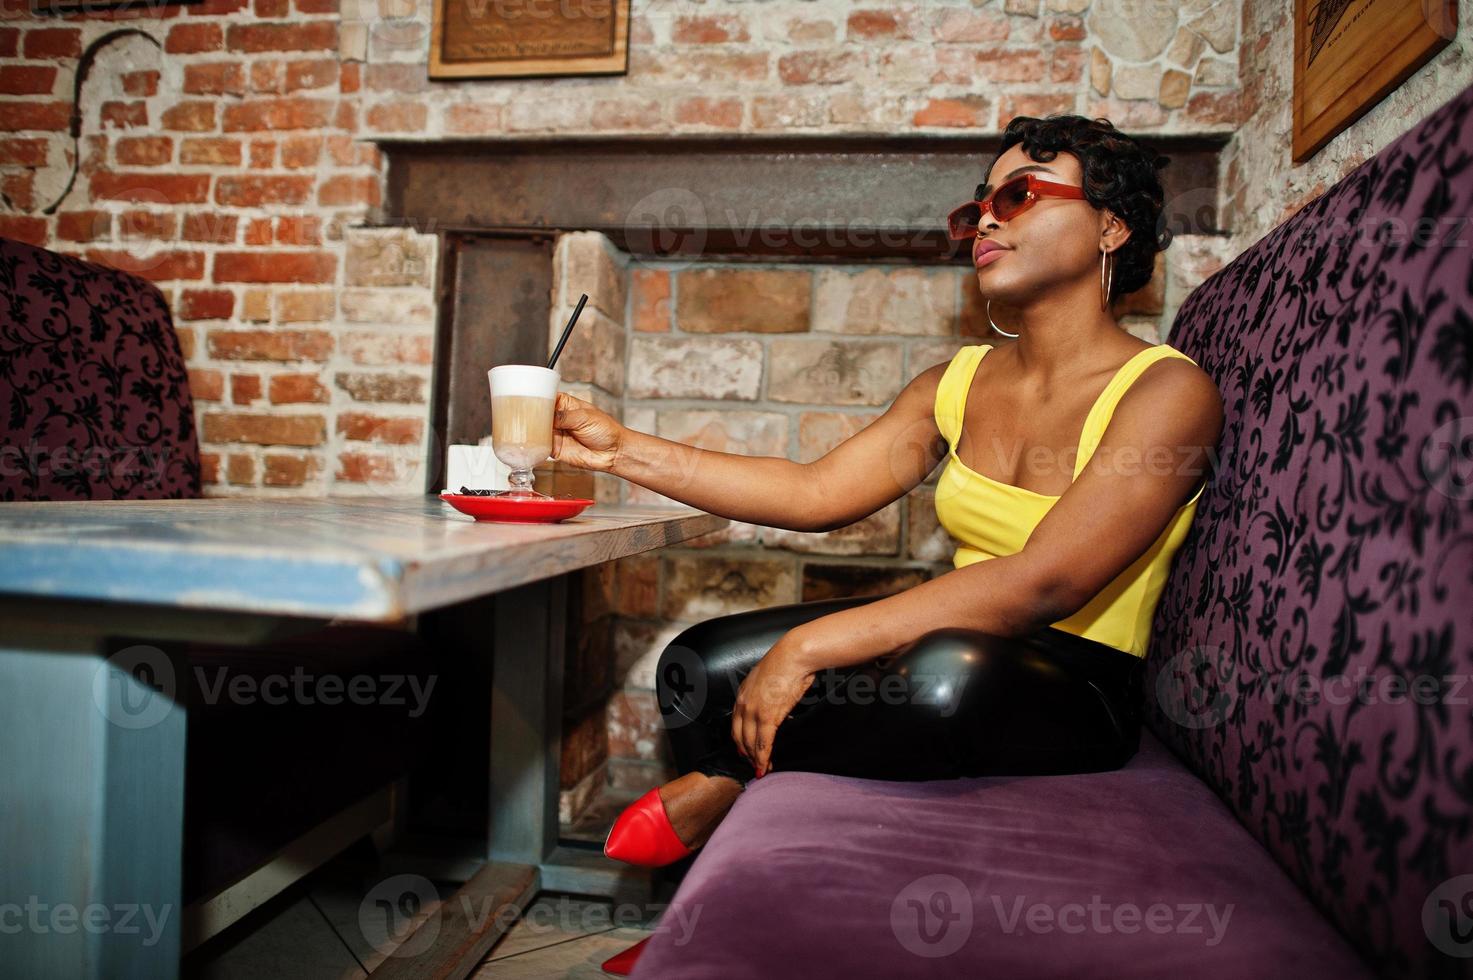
<point>583,435</point>
<point>767,694</point>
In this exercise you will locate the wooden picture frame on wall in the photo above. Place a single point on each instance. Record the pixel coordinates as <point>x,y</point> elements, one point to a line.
<point>1348,54</point>
<point>519,38</point>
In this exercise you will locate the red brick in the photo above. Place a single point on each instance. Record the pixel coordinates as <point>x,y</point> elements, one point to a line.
<point>263,154</point>
<point>245,388</point>
<point>125,115</point>
<point>151,188</point>
<point>240,470</point>
<point>27,79</point>
<point>365,386</point>
<point>194,38</point>
<point>253,192</point>
<point>317,35</point>
<point>366,468</point>
<point>967,110</point>
<point>398,78</point>
<point>53,42</point>
<point>206,385</point>
<point>146,224</point>
<point>375,428</point>
<point>376,349</point>
<point>9,42</point>
<point>1066,29</point>
<point>208,226</point>
<point>20,190</point>
<point>473,118</point>
<point>305,306</point>
<point>83,226</point>
<point>298,389</point>
<point>817,67</point>
<point>190,117</point>
<point>300,230</point>
<point>723,113</point>
<point>268,75</point>
<point>650,307</point>
<point>23,228</point>
<point>317,6</point>
<point>23,152</point>
<point>271,9</point>
<point>708,30</point>
<point>159,266</point>
<point>140,84</point>
<point>144,151</point>
<point>16,116</point>
<point>275,266</point>
<point>298,152</point>
<point>286,471</point>
<point>311,74</point>
<point>258,232</point>
<point>209,468</point>
<point>344,191</point>
<point>350,78</point>
<point>210,152</point>
<point>398,117</point>
<point>260,115</point>
<point>270,345</point>
<point>874,23</point>
<point>265,430</point>
<point>206,304</point>
<point>215,78</point>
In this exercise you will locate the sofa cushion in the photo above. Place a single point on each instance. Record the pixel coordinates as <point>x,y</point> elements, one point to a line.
<point>1312,641</point>
<point>95,402</point>
<point>1139,872</point>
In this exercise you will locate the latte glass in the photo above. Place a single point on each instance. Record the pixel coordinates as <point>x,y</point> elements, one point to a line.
<point>522,400</point>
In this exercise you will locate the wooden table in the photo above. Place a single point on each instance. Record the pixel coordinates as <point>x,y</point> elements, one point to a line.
<point>92,746</point>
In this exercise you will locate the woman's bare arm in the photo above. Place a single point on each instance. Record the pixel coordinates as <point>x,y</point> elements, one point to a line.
<point>875,466</point>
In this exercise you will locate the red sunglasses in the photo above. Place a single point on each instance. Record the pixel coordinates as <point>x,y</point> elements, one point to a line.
<point>1008,201</point>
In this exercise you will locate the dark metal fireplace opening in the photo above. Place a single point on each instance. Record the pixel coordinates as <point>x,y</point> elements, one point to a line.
<point>499,206</point>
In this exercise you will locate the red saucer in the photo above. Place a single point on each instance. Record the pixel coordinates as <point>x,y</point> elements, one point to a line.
<point>516,510</point>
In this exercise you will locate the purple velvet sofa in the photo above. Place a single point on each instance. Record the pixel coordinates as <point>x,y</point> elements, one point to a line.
<point>1302,804</point>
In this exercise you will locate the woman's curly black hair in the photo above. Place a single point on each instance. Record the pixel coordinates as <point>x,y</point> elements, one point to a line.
<point>1119,174</point>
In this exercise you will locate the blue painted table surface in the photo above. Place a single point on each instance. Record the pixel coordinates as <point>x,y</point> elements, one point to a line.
<point>373,559</point>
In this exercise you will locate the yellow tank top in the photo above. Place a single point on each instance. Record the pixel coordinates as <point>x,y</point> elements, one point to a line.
<point>989,519</point>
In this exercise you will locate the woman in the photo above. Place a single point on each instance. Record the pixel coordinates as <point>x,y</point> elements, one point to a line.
<point>1074,460</point>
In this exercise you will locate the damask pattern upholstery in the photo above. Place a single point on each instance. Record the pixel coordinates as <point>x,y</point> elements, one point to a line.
<point>1313,646</point>
<point>94,396</point>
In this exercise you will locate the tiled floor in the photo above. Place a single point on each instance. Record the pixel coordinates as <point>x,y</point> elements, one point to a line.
<point>313,933</point>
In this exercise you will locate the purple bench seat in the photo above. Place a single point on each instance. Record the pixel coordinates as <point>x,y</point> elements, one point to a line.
<point>1141,872</point>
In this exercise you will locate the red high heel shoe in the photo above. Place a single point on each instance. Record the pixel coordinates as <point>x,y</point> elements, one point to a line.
<point>622,962</point>
<point>642,835</point>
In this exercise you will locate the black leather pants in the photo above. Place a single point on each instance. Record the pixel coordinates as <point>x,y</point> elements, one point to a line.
<point>953,703</point>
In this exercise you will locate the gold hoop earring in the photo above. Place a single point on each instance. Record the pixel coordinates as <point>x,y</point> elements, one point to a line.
<point>995,326</point>
<point>1107,278</point>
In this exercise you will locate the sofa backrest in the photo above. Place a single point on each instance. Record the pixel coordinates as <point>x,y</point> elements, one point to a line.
<point>94,396</point>
<point>1312,649</point>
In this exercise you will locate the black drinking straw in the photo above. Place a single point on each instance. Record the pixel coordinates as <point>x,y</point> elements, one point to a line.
<point>567,330</point>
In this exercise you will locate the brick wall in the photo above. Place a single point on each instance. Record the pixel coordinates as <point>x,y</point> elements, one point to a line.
<point>233,162</point>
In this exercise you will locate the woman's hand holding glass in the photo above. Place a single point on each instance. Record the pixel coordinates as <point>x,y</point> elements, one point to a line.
<point>584,435</point>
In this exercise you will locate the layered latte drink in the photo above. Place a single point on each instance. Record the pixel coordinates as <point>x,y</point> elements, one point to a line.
<point>523,397</point>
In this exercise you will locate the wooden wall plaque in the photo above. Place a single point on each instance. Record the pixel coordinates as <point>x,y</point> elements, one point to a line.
<point>1348,54</point>
<point>509,38</point>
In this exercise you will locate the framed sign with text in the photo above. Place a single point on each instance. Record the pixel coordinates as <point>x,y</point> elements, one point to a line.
<point>1348,54</point>
<point>509,38</point>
